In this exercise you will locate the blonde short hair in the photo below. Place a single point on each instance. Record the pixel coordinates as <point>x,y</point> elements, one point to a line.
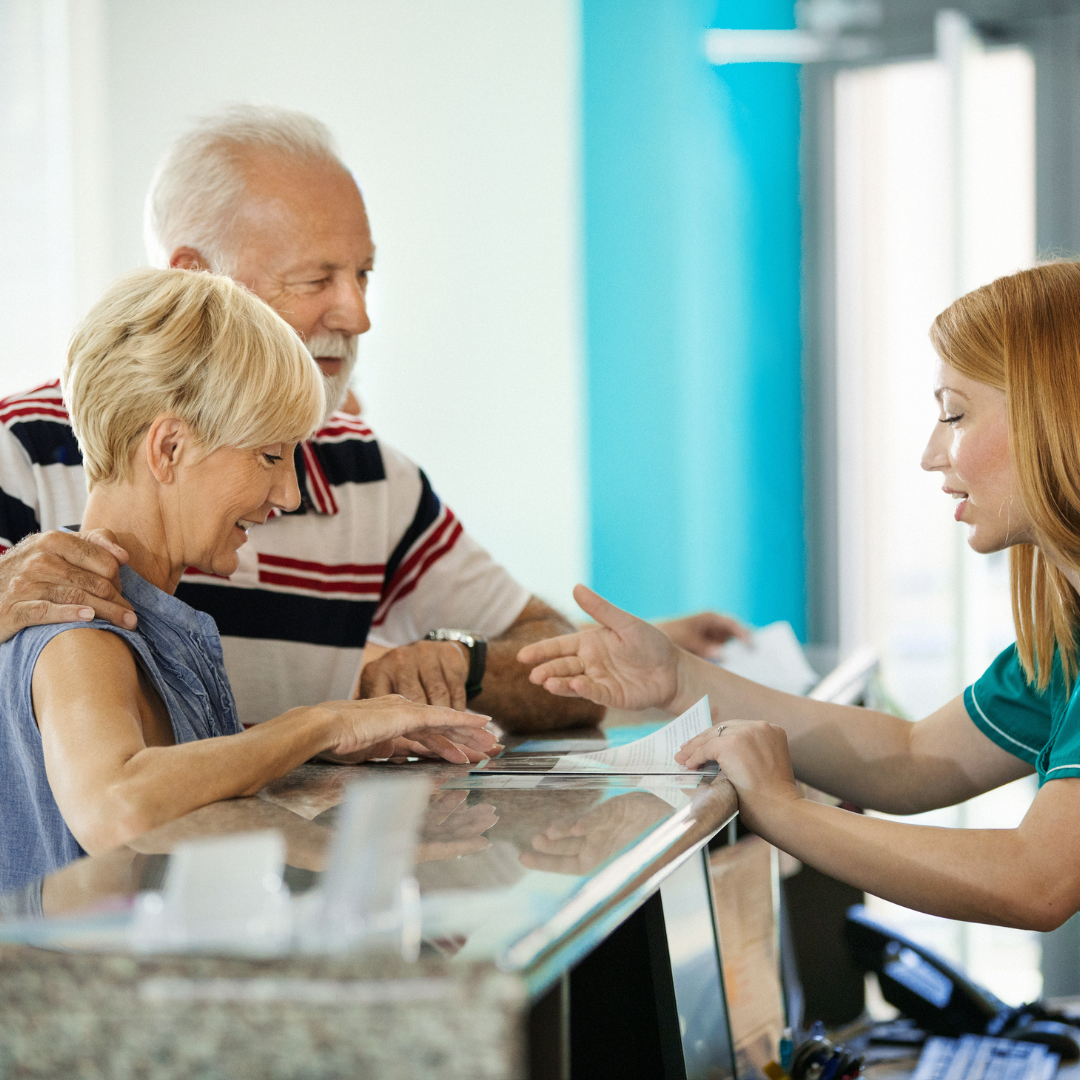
<point>192,345</point>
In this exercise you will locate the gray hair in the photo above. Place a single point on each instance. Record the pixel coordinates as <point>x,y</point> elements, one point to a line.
<point>198,187</point>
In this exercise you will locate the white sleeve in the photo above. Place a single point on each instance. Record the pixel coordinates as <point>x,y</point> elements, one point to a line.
<point>437,574</point>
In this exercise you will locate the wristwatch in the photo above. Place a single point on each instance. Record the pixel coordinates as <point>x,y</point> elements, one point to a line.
<point>477,646</point>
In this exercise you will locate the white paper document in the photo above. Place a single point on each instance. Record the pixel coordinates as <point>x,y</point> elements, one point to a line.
<point>654,755</point>
<point>773,658</point>
<point>559,746</point>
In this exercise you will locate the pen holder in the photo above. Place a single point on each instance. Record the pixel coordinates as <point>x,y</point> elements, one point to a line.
<point>369,898</point>
<point>323,927</point>
<point>228,895</point>
<point>221,895</point>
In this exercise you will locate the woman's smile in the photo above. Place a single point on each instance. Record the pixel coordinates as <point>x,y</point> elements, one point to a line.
<point>970,447</point>
<point>958,513</point>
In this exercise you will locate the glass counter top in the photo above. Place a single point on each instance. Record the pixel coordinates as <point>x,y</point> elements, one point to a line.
<point>523,871</point>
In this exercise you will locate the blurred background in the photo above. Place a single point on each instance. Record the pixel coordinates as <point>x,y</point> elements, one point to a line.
<point>653,283</point>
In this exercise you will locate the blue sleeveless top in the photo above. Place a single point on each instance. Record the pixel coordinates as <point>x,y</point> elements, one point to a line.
<point>178,648</point>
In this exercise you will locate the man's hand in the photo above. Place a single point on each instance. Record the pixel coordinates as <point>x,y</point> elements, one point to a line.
<point>435,672</point>
<point>429,672</point>
<point>624,663</point>
<point>57,577</point>
<point>704,634</point>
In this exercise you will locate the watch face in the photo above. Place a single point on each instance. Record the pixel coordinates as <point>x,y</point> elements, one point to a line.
<point>464,636</point>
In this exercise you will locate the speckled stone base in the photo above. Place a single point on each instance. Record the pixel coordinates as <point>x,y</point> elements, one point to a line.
<point>95,1017</point>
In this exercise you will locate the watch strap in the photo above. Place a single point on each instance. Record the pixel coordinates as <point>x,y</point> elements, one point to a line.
<point>474,682</point>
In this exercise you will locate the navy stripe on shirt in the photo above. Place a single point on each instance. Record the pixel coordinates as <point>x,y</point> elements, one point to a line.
<point>352,462</point>
<point>427,510</point>
<point>305,506</point>
<point>258,613</point>
<point>47,442</point>
<point>17,520</point>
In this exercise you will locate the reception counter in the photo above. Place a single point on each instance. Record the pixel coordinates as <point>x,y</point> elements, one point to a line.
<point>568,928</point>
<point>519,885</point>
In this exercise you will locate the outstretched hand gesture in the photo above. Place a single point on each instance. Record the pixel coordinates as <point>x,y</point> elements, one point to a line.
<point>624,662</point>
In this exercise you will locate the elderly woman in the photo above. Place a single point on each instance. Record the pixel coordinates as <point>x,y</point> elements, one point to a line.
<point>1007,445</point>
<point>188,396</point>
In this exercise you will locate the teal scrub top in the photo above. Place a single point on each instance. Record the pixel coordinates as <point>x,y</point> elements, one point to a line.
<point>1041,729</point>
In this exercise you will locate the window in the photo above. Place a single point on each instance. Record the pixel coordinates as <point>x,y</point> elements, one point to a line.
<point>935,195</point>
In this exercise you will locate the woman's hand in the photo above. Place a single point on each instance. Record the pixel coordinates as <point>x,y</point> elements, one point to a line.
<point>453,828</point>
<point>624,663</point>
<point>754,756</point>
<point>478,743</point>
<point>374,728</point>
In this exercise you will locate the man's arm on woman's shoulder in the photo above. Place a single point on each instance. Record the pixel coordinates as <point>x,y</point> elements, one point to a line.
<point>58,577</point>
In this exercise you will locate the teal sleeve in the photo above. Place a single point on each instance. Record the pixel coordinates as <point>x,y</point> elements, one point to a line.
<point>1061,757</point>
<point>1008,710</point>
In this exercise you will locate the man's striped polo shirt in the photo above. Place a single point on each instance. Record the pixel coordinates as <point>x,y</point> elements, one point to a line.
<point>372,554</point>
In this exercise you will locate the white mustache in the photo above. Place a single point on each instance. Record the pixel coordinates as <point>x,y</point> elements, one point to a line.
<point>341,347</point>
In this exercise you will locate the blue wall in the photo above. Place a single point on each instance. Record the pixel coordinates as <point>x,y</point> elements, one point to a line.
<point>692,250</point>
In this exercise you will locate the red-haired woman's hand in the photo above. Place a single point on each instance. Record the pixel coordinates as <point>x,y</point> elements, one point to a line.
<point>753,755</point>
<point>624,662</point>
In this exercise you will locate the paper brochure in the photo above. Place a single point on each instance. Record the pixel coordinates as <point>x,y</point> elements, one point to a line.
<point>773,658</point>
<point>653,755</point>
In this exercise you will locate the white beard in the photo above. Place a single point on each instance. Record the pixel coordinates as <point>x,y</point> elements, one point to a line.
<point>340,346</point>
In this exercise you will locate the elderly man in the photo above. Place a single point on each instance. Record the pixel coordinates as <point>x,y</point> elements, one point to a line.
<point>372,555</point>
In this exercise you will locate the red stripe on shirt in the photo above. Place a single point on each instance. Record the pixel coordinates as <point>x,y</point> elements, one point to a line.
<point>344,420</point>
<point>32,410</point>
<point>312,470</point>
<point>38,393</point>
<point>357,588</point>
<point>55,400</point>
<point>318,485</point>
<point>407,565</point>
<point>194,571</point>
<point>30,395</point>
<point>320,568</point>
<point>408,587</point>
<point>336,430</point>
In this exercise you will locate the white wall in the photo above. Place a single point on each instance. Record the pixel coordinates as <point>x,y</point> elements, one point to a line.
<point>460,120</point>
<point>55,231</point>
